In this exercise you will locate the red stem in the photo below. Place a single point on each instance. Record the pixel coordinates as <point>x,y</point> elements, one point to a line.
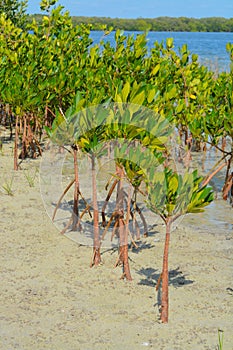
<point>165,275</point>
<point>76,190</point>
<point>16,144</point>
<point>96,247</point>
<point>207,180</point>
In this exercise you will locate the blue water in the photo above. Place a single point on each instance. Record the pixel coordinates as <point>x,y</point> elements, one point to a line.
<point>210,47</point>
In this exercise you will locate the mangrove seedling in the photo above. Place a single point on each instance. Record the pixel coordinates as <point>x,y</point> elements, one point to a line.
<point>171,195</point>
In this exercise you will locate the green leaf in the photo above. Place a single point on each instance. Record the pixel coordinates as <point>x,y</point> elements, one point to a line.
<point>193,97</point>
<point>48,130</point>
<point>155,69</point>
<point>173,184</point>
<point>169,43</point>
<point>151,95</point>
<point>125,91</point>
<point>139,99</point>
<point>180,107</point>
<point>118,98</point>
<point>172,93</point>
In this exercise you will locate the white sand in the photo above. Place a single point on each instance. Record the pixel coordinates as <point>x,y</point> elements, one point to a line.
<point>52,299</point>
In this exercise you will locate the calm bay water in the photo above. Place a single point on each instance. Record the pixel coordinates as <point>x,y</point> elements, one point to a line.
<point>210,47</point>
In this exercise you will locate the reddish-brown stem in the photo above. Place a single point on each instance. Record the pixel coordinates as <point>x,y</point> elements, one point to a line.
<point>158,282</point>
<point>16,144</point>
<point>224,142</point>
<point>60,199</point>
<point>125,262</point>
<point>207,180</point>
<point>96,242</point>
<point>123,233</point>
<point>82,214</point>
<point>135,225</point>
<point>165,275</point>
<point>228,166</point>
<point>107,226</point>
<point>67,225</point>
<point>119,260</point>
<point>115,227</point>
<point>71,219</point>
<point>145,234</point>
<point>128,207</point>
<point>227,187</point>
<point>106,202</point>
<point>20,127</point>
<point>29,140</point>
<point>87,205</point>
<point>76,189</point>
<point>24,139</point>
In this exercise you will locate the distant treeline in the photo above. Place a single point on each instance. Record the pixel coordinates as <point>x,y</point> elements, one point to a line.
<point>159,24</point>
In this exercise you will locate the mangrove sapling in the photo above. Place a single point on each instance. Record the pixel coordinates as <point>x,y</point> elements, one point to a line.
<point>120,228</point>
<point>171,195</point>
<point>91,140</point>
<point>132,173</point>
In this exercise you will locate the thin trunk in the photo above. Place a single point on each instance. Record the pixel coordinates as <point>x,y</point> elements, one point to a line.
<point>224,142</point>
<point>227,188</point>
<point>60,199</point>
<point>76,190</point>
<point>128,213</point>
<point>125,261</point>
<point>30,143</point>
<point>106,202</point>
<point>228,166</point>
<point>207,180</point>
<point>46,116</point>
<point>20,129</point>
<point>228,183</point>
<point>165,276</point>
<point>123,233</point>
<point>145,233</point>
<point>96,246</point>
<point>11,126</point>
<point>203,157</point>
<point>135,224</point>
<point>24,139</point>
<point>16,144</point>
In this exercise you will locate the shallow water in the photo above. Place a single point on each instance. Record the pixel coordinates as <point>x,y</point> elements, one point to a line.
<point>210,47</point>
<point>217,217</point>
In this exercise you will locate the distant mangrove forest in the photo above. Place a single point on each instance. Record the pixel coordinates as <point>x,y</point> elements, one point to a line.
<point>159,24</point>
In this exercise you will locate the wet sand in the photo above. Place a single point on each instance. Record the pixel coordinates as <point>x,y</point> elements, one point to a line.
<point>52,299</point>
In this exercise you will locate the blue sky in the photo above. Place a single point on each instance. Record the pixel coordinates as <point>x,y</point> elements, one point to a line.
<point>143,8</point>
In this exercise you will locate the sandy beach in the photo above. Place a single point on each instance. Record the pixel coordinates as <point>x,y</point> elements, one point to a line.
<point>52,299</point>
